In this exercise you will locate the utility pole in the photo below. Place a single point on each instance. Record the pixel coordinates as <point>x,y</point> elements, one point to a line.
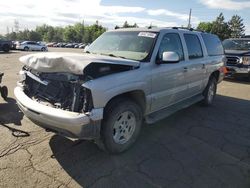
<point>8,30</point>
<point>16,26</point>
<point>189,19</point>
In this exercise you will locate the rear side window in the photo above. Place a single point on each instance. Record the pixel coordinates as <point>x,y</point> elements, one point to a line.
<point>213,44</point>
<point>193,46</point>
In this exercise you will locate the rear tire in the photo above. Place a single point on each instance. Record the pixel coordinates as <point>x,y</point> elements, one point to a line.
<point>210,91</point>
<point>121,125</point>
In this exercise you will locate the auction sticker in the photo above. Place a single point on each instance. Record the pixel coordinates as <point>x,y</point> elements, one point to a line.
<point>147,34</point>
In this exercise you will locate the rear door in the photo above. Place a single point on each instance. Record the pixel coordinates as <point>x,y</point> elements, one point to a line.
<point>168,79</point>
<point>196,64</point>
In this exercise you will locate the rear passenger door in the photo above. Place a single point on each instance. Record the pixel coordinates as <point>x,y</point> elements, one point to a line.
<point>195,66</point>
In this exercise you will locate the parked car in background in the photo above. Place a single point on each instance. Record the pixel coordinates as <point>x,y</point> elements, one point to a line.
<point>31,46</point>
<point>82,46</point>
<point>5,45</point>
<point>237,52</point>
<point>51,44</point>
<point>126,76</point>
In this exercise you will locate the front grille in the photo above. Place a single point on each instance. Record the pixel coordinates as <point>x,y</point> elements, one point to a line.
<point>233,60</point>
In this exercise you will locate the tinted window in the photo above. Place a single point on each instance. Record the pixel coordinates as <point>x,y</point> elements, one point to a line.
<point>193,45</point>
<point>171,42</point>
<point>213,44</point>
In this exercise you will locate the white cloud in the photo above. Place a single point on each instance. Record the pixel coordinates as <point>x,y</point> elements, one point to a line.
<point>164,12</point>
<point>226,4</point>
<point>30,13</point>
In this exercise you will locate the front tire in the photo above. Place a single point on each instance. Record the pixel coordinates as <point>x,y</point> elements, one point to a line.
<point>210,91</point>
<point>26,48</point>
<point>121,125</point>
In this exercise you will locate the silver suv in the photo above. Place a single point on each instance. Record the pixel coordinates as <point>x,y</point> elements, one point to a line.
<point>126,76</point>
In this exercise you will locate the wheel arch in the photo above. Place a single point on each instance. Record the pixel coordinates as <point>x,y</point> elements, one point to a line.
<point>137,96</point>
<point>215,74</point>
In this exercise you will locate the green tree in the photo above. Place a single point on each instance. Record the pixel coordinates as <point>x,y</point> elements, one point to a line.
<point>205,26</point>
<point>127,25</point>
<point>236,26</point>
<point>220,27</point>
<point>69,34</point>
<point>11,36</point>
<point>34,36</point>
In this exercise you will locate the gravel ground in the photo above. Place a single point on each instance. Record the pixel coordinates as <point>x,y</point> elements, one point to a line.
<point>196,147</point>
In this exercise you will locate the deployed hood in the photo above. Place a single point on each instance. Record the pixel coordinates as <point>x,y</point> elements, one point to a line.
<point>70,62</point>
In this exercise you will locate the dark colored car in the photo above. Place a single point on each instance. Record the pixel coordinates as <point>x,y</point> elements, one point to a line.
<point>238,57</point>
<point>5,45</point>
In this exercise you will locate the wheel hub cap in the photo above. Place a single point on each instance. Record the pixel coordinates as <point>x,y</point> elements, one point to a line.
<point>124,127</point>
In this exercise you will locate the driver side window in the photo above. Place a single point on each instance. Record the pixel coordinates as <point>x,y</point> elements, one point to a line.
<point>171,42</point>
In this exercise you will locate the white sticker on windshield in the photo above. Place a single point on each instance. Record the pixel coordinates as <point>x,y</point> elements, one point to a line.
<point>147,34</point>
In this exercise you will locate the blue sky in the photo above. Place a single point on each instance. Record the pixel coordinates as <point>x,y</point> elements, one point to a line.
<point>30,13</point>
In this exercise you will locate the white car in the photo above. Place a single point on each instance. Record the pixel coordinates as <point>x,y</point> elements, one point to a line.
<point>31,46</point>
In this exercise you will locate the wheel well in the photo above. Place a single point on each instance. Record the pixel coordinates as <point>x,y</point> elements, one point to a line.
<point>215,74</point>
<point>137,96</point>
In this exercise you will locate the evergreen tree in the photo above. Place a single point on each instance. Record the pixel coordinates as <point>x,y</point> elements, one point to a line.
<point>236,27</point>
<point>220,27</point>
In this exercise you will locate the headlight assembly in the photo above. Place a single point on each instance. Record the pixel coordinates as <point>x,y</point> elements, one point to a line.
<point>246,60</point>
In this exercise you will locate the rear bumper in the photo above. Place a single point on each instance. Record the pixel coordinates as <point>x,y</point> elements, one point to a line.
<point>70,124</point>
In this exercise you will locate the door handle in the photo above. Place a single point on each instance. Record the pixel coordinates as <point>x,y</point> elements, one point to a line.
<point>203,66</point>
<point>185,69</point>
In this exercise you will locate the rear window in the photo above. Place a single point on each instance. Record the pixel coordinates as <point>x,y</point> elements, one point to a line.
<point>193,46</point>
<point>213,44</point>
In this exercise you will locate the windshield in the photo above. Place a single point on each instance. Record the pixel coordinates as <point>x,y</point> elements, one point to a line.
<point>234,44</point>
<point>125,44</point>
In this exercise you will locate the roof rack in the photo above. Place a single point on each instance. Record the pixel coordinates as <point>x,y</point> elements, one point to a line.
<point>187,28</point>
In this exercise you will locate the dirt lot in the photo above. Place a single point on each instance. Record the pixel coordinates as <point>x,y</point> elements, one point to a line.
<point>197,147</point>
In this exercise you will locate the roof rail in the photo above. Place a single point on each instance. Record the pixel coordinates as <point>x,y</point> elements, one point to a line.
<point>187,28</point>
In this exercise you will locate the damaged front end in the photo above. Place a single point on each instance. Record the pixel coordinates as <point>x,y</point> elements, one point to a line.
<point>52,91</point>
<point>58,90</point>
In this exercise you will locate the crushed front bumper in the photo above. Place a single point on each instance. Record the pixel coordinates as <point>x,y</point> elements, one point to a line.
<point>66,123</point>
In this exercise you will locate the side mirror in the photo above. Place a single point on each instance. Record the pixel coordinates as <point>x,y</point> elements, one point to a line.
<point>169,57</point>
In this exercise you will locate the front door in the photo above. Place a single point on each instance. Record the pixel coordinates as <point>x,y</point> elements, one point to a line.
<point>168,79</point>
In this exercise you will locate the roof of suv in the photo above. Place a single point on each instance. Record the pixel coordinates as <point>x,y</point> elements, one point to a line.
<point>158,29</point>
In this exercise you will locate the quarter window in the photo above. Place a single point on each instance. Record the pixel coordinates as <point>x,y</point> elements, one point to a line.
<point>193,46</point>
<point>171,42</point>
<point>213,44</point>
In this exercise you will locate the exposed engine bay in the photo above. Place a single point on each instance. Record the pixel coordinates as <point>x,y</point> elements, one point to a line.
<point>65,90</point>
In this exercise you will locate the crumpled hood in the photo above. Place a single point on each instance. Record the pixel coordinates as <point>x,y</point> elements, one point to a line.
<point>69,62</point>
